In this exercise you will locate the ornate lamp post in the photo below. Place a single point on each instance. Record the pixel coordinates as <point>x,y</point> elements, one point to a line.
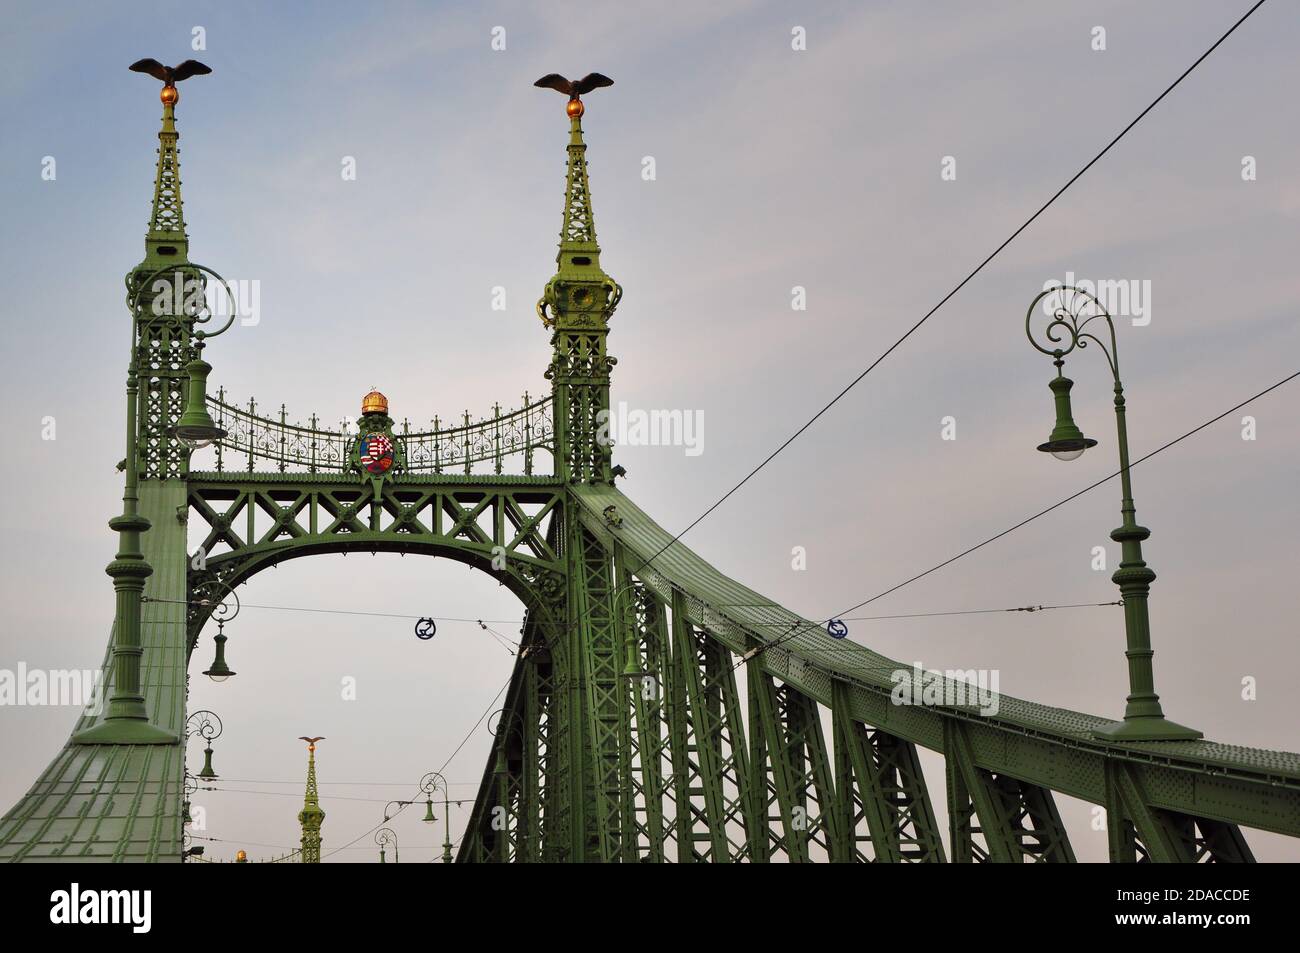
<point>1071,312</point>
<point>383,837</point>
<point>207,726</point>
<point>430,784</point>
<point>627,618</point>
<point>501,768</point>
<point>126,720</point>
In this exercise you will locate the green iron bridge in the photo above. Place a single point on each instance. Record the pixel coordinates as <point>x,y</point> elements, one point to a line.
<point>627,734</point>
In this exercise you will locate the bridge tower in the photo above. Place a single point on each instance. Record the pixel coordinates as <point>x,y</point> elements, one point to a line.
<point>115,791</point>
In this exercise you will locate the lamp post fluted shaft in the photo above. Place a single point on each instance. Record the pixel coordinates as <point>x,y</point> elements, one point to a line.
<point>430,783</point>
<point>1144,720</point>
<point>126,720</point>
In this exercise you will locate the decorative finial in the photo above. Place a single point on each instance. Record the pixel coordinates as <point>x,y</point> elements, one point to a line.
<point>311,742</point>
<point>170,76</point>
<point>374,403</point>
<point>574,90</point>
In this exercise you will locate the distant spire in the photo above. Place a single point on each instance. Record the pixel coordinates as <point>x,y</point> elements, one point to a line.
<point>311,816</point>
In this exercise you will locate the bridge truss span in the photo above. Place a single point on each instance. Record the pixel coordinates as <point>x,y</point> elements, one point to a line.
<point>800,752</point>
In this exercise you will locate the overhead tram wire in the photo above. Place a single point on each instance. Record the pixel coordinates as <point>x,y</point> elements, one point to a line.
<point>928,615</point>
<point>506,639</point>
<point>797,629</point>
<point>455,752</point>
<point>297,782</point>
<point>961,284</point>
<point>377,615</point>
<point>509,644</point>
<point>332,797</point>
<point>843,616</point>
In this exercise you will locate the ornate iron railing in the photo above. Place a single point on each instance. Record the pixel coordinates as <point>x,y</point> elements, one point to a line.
<point>443,449</point>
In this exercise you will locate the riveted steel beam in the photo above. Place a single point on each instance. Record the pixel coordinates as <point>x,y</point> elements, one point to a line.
<point>881,788</point>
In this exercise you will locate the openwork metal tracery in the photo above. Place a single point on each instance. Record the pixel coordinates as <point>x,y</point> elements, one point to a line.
<point>497,438</point>
<point>1069,311</point>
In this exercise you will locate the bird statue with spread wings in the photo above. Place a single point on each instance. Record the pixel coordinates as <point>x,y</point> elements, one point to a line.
<point>170,75</point>
<point>574,89</point>
<point>311,742</point>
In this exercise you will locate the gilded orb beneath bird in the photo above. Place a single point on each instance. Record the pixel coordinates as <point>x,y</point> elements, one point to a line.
<point>574,108</point>
<point>170,95</point>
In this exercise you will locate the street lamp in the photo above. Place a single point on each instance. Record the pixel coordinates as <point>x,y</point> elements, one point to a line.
<point>501,770</point>
<point>631,663</point>
<point>225,610</point>
<point>1071,311</point>
<point>383,837</point>
<point>207,726</point>
<point>126,719</point>
<point>429,784</point>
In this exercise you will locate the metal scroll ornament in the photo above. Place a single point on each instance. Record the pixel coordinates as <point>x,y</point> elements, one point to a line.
<point>1069,312</point>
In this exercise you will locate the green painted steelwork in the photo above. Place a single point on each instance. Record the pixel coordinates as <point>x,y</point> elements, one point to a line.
<point>658,711</point>
<point>1144,720</point>
<point>311,817</point>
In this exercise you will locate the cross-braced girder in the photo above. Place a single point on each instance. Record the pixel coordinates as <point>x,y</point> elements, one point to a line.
<point>244,525</point>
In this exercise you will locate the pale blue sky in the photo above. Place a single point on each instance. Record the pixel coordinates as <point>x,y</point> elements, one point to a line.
<point>775,168</point>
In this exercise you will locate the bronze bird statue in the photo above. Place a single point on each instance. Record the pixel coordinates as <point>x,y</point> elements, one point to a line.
<point>574,89</point>
<point>311,742</point>
<point>170,75</point>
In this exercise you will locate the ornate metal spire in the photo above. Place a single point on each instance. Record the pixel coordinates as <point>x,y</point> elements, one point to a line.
<point>311,816</point>
<point>579,229</point>
<point>577,304</point>
<point>167,242</point>
<point>578,233</point>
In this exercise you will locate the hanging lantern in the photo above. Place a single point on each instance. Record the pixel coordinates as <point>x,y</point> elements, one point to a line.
<point>1067,441</point>
<point>219,671</point>
<point>195,429</point>
<point>207,774</point>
